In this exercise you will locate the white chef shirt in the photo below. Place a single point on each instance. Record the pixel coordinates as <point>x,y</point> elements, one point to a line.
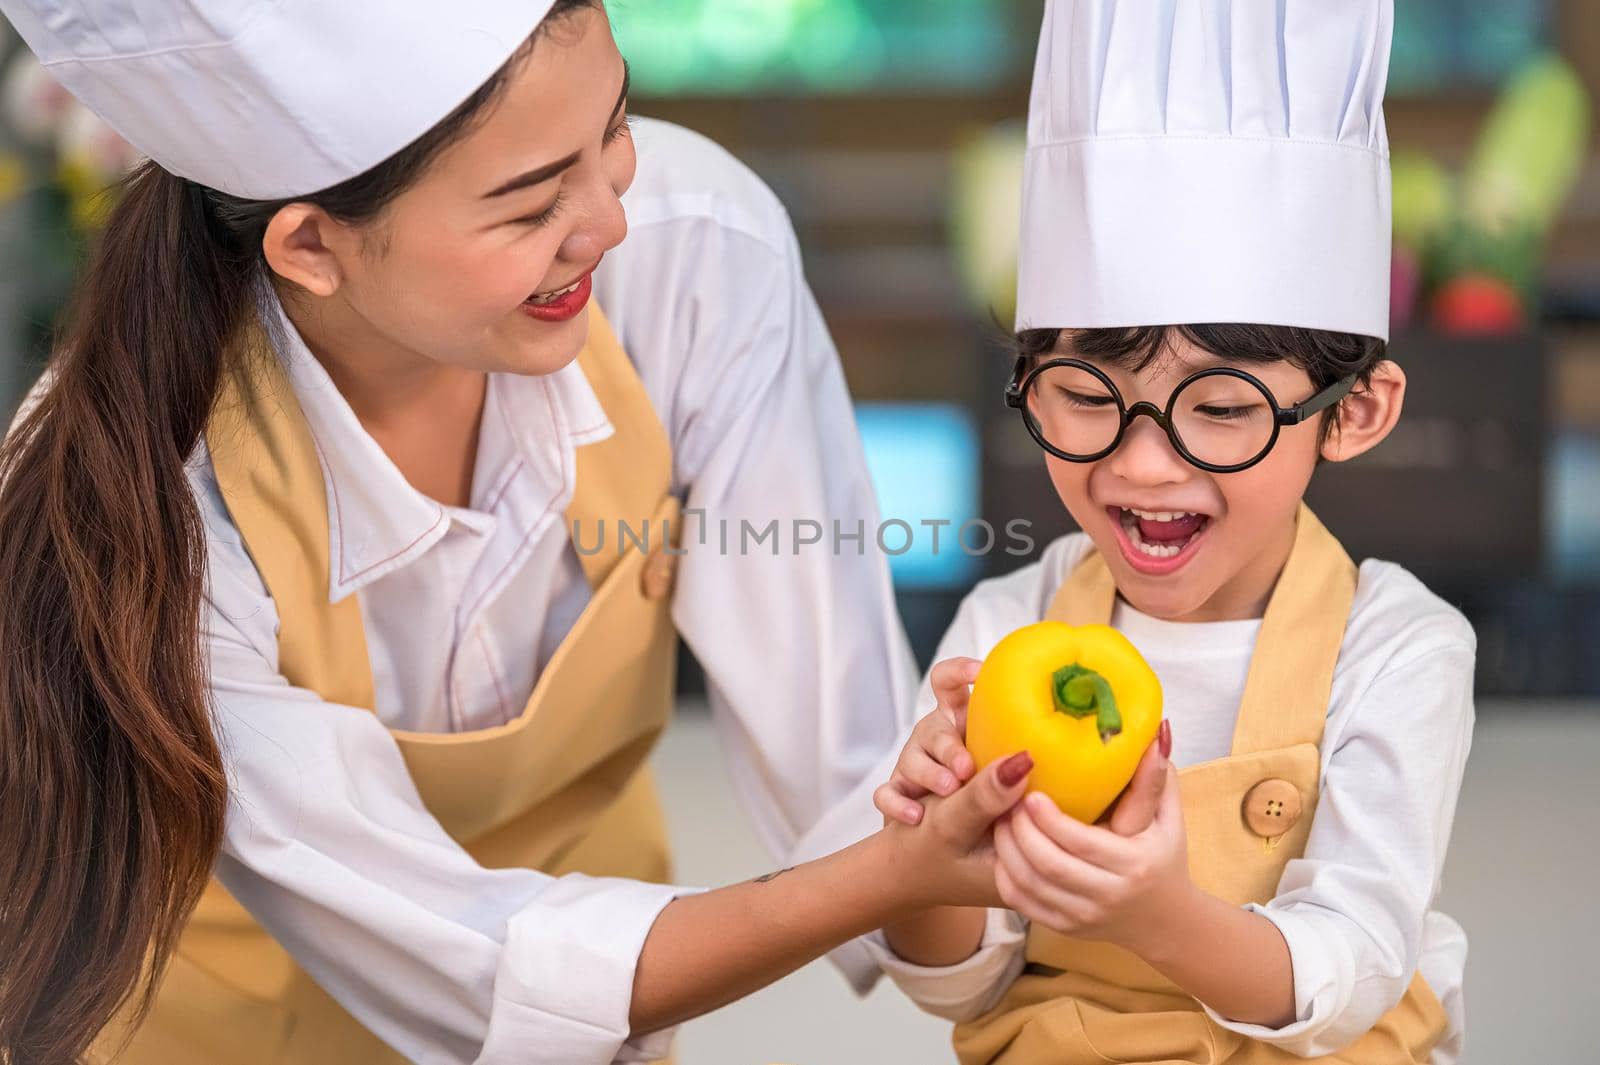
<point>1357,908</point>
<point>327,842</point>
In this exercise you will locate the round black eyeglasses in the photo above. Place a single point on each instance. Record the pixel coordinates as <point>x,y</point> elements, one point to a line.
<point>1221,419</point>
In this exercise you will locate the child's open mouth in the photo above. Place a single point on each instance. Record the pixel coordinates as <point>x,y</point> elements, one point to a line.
<point>1158,542</point>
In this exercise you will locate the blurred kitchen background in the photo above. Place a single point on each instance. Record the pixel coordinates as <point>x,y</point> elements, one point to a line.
<point>892,130</point>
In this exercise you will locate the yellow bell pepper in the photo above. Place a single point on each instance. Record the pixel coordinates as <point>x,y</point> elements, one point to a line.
<point>1080,699</point>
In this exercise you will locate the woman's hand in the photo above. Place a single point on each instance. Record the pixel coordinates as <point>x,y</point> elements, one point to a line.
<point>1124,881</point>
<point>948,858</point>
<point>708,949</point>
<point>935,760</point>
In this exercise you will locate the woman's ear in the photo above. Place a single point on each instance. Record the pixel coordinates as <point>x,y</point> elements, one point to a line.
<point>305,246</point>
<point>1367,414</point>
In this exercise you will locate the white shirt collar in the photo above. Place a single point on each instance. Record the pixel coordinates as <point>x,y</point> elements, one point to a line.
<point>378,522</point>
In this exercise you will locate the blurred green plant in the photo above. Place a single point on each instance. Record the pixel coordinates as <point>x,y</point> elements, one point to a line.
<point>741,46</point>
<point>1479,240</point>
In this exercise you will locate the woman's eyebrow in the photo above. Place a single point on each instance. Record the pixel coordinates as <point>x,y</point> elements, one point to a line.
<point>539,175</point>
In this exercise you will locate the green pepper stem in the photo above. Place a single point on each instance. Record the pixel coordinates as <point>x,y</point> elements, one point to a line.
<point>1080,692</point>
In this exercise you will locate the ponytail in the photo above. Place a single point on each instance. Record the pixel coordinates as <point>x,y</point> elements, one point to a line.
<point>112,792</point>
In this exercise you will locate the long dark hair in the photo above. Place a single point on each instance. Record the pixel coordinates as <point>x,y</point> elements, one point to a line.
<point>112,790</point>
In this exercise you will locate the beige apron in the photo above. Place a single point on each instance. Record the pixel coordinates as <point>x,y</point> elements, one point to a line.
<point>1247,815</point>
<point>562,788</point>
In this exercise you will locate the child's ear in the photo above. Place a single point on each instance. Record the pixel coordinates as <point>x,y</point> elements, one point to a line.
<point>1367,414</point>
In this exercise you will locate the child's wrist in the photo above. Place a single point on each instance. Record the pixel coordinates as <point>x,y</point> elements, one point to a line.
<point>893,858</point>
<point>942,936</point>
<point>1164,930</point>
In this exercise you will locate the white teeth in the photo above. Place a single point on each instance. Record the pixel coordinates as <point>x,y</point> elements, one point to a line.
<point>539,301</point>
<point>1130,525</point>
<point>1160,515</point>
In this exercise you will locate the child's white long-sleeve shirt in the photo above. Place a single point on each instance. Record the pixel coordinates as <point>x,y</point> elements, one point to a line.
<point>1357,908</point>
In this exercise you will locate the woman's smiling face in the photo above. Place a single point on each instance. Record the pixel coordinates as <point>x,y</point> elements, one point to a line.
<point>1184,544</point>
<point>484,262</point>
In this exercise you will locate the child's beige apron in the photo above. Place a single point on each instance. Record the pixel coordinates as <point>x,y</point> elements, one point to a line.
<point>562,788</point>
<point>1247,815</point>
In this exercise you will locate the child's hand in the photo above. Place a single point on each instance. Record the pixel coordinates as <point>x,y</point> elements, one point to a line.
<point>935,760</point>
<point>1091,881</point>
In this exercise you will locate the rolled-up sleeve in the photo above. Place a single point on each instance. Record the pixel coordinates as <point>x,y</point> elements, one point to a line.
<point>559,980</point>
<point>1354,909</point>
<point>329,847</point>
<point>969,988</point>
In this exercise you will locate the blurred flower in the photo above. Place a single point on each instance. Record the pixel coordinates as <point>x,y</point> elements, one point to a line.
<point>67,143</point>
<point>91,158</point>
<point>32,102</point>
<point>89,200</point>
<point>13,178</point>
<point>1477,305</point>
<point>1405,286</point>
<point>84,140</point>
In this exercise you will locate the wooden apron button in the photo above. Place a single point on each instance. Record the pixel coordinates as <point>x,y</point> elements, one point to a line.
<point>1272,808</point>
<point>656,578</point>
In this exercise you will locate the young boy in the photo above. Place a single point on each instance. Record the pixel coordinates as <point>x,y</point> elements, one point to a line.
<point>1264,891</point>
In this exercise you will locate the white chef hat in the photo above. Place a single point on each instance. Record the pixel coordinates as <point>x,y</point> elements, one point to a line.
<point>273,98</point>
<point>1208,161</point>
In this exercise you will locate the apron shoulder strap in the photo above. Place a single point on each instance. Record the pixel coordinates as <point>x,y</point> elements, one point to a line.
<point>623,478</point>
<point>271,479</point>
<point>1291,673</point>
<point>1087,596</point>
<point>270,476</point>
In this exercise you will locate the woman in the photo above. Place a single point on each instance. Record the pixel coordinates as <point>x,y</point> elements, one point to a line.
<point>288,533</point>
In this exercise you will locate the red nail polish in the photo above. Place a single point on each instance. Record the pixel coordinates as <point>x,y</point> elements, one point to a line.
<point>1164,738</point>
<point>1013,769</point>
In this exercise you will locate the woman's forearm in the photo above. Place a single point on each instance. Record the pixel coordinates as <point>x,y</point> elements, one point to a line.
<point>941,936</point>
<point>705,951</point>
<point>1229,958</point>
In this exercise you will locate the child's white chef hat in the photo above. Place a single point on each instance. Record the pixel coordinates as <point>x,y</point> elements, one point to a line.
<point>273,98</point>
<point>1208,161</point>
